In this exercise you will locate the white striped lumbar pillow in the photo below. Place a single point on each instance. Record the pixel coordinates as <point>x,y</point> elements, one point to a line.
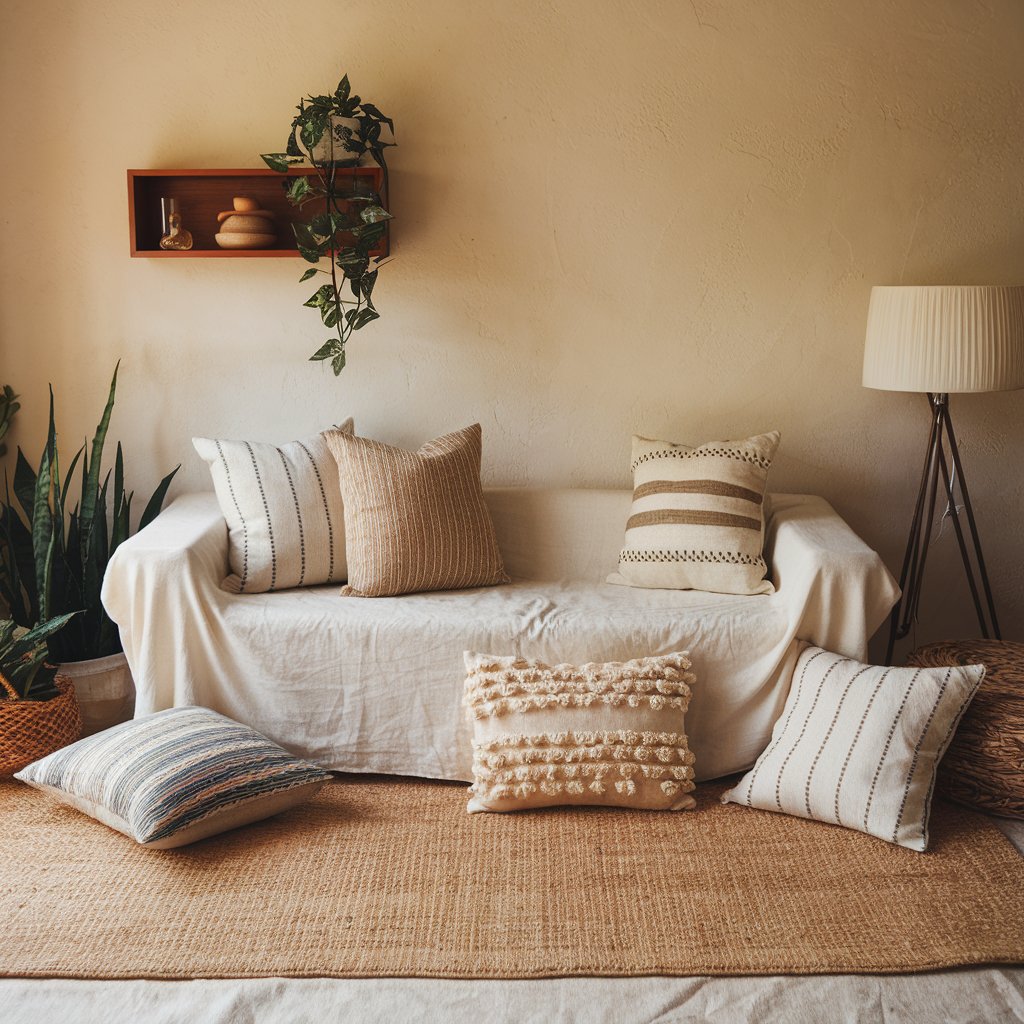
<point>282,504</point>
<point>176,776</point>
<point>697,521</point>
<point>858,745</point>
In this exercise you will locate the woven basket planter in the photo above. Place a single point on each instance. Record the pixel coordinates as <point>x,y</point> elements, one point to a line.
<point>984,766</point>
<point>30,729</point>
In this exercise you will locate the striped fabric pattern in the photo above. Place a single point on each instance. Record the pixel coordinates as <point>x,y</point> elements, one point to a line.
<point>415,521</point>
<point>282,504</point>
<point>174,776</point>
<point>610,734</point>
<point>697,521</point>
<point>858,745</point>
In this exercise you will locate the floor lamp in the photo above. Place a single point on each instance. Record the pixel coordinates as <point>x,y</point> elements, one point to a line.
<point>938,341</point>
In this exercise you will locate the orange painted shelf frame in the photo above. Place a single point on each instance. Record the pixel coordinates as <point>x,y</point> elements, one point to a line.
<point>203,193</point>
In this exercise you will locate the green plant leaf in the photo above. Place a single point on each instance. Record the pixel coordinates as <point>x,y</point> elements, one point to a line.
<point>309,255</point>
<point>298,190</point>
<point>312,129</point>
<point>360,318</point>
<point>320,296</point>
<point>42,521</point>
<point>370,235</point>
<point>156,501</point>
<point>374,214</point>
<point>24,484</point>
<point>329,315</point>
<point>374,112</point>
<point>279,161</point>
<point>69,476</point>
<point>325,351</point>
<point>367,281</point>
<point>304,235</point>
<point>338,363</point>
<point>20,569</point>
<point>90,491</point>
<point>343,91</point>
<point>311,272</point>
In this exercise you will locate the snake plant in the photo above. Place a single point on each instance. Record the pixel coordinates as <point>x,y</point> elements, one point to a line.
<point>8,407</point>
<point>54,549</point>
<point>23,664</point>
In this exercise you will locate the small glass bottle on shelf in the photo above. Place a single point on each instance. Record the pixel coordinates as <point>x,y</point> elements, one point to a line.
<point>174,235</point>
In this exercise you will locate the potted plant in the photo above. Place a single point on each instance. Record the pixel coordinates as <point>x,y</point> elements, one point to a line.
<point>335,131</point>
<point>9,405</point>
<point>38,710</point>
<point>54,553</point>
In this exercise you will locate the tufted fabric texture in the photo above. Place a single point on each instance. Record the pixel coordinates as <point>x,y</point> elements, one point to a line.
<point>610,734</point>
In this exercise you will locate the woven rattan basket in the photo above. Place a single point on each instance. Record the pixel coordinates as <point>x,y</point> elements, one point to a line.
<point>984,766</point>
<point>30,729</point>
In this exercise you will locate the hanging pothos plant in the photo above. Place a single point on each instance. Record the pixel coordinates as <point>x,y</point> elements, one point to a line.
<point>334,132</point>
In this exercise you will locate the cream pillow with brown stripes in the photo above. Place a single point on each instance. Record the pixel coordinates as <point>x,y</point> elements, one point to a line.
<point>858,745</point>
<point>415,520</point>
<point>697,521</point>
<point>282,504</point>
<point>611,734</point>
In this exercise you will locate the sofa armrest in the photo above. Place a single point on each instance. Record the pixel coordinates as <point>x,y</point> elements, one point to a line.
<point>189,534</point>
<point>838,589</point>
<point>155,585</point>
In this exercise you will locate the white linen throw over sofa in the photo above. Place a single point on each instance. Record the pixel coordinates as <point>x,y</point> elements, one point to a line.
<point>375,684</point>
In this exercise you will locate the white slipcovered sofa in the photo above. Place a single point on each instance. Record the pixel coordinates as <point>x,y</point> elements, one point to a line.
<point>375,685</point>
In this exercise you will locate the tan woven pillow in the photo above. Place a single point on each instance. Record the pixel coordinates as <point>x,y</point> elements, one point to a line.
<point>415,520</point>
<point>697,521</point>
<point>610,734</point>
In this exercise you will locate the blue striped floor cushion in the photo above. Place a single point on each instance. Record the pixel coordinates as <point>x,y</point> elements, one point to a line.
<point>858,745</point>
<point>175,777</point>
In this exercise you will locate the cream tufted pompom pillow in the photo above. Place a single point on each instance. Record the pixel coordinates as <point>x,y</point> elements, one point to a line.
<point>610,734</point>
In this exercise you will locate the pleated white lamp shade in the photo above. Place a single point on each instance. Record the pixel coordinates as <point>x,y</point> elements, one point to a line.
<point>945,338</point>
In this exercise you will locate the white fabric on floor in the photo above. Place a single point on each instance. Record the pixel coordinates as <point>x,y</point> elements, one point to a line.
<point>375,685</point>
<point>986,996</point>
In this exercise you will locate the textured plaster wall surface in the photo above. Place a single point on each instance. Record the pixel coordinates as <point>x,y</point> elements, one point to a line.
<point>612,217</point>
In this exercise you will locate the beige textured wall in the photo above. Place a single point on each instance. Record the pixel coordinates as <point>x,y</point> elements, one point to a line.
<point>659,217</point>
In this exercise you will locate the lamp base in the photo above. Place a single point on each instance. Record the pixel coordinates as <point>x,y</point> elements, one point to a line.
<point>912,576</point>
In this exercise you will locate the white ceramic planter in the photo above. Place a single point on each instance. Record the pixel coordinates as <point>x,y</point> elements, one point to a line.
<point>105,691</point>
<point>342,157</point>
<point>321,152</point>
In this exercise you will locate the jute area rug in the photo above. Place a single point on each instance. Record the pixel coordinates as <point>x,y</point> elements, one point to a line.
<point>392,877</point>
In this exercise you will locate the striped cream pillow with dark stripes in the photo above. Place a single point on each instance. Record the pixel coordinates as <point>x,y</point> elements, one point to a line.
<point>858,745</point>
<point>282,504</point>
<point>697,521</point>
<point>415,520</point>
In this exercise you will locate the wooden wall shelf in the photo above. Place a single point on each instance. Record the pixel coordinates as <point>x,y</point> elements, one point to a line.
<point>203,193</point>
